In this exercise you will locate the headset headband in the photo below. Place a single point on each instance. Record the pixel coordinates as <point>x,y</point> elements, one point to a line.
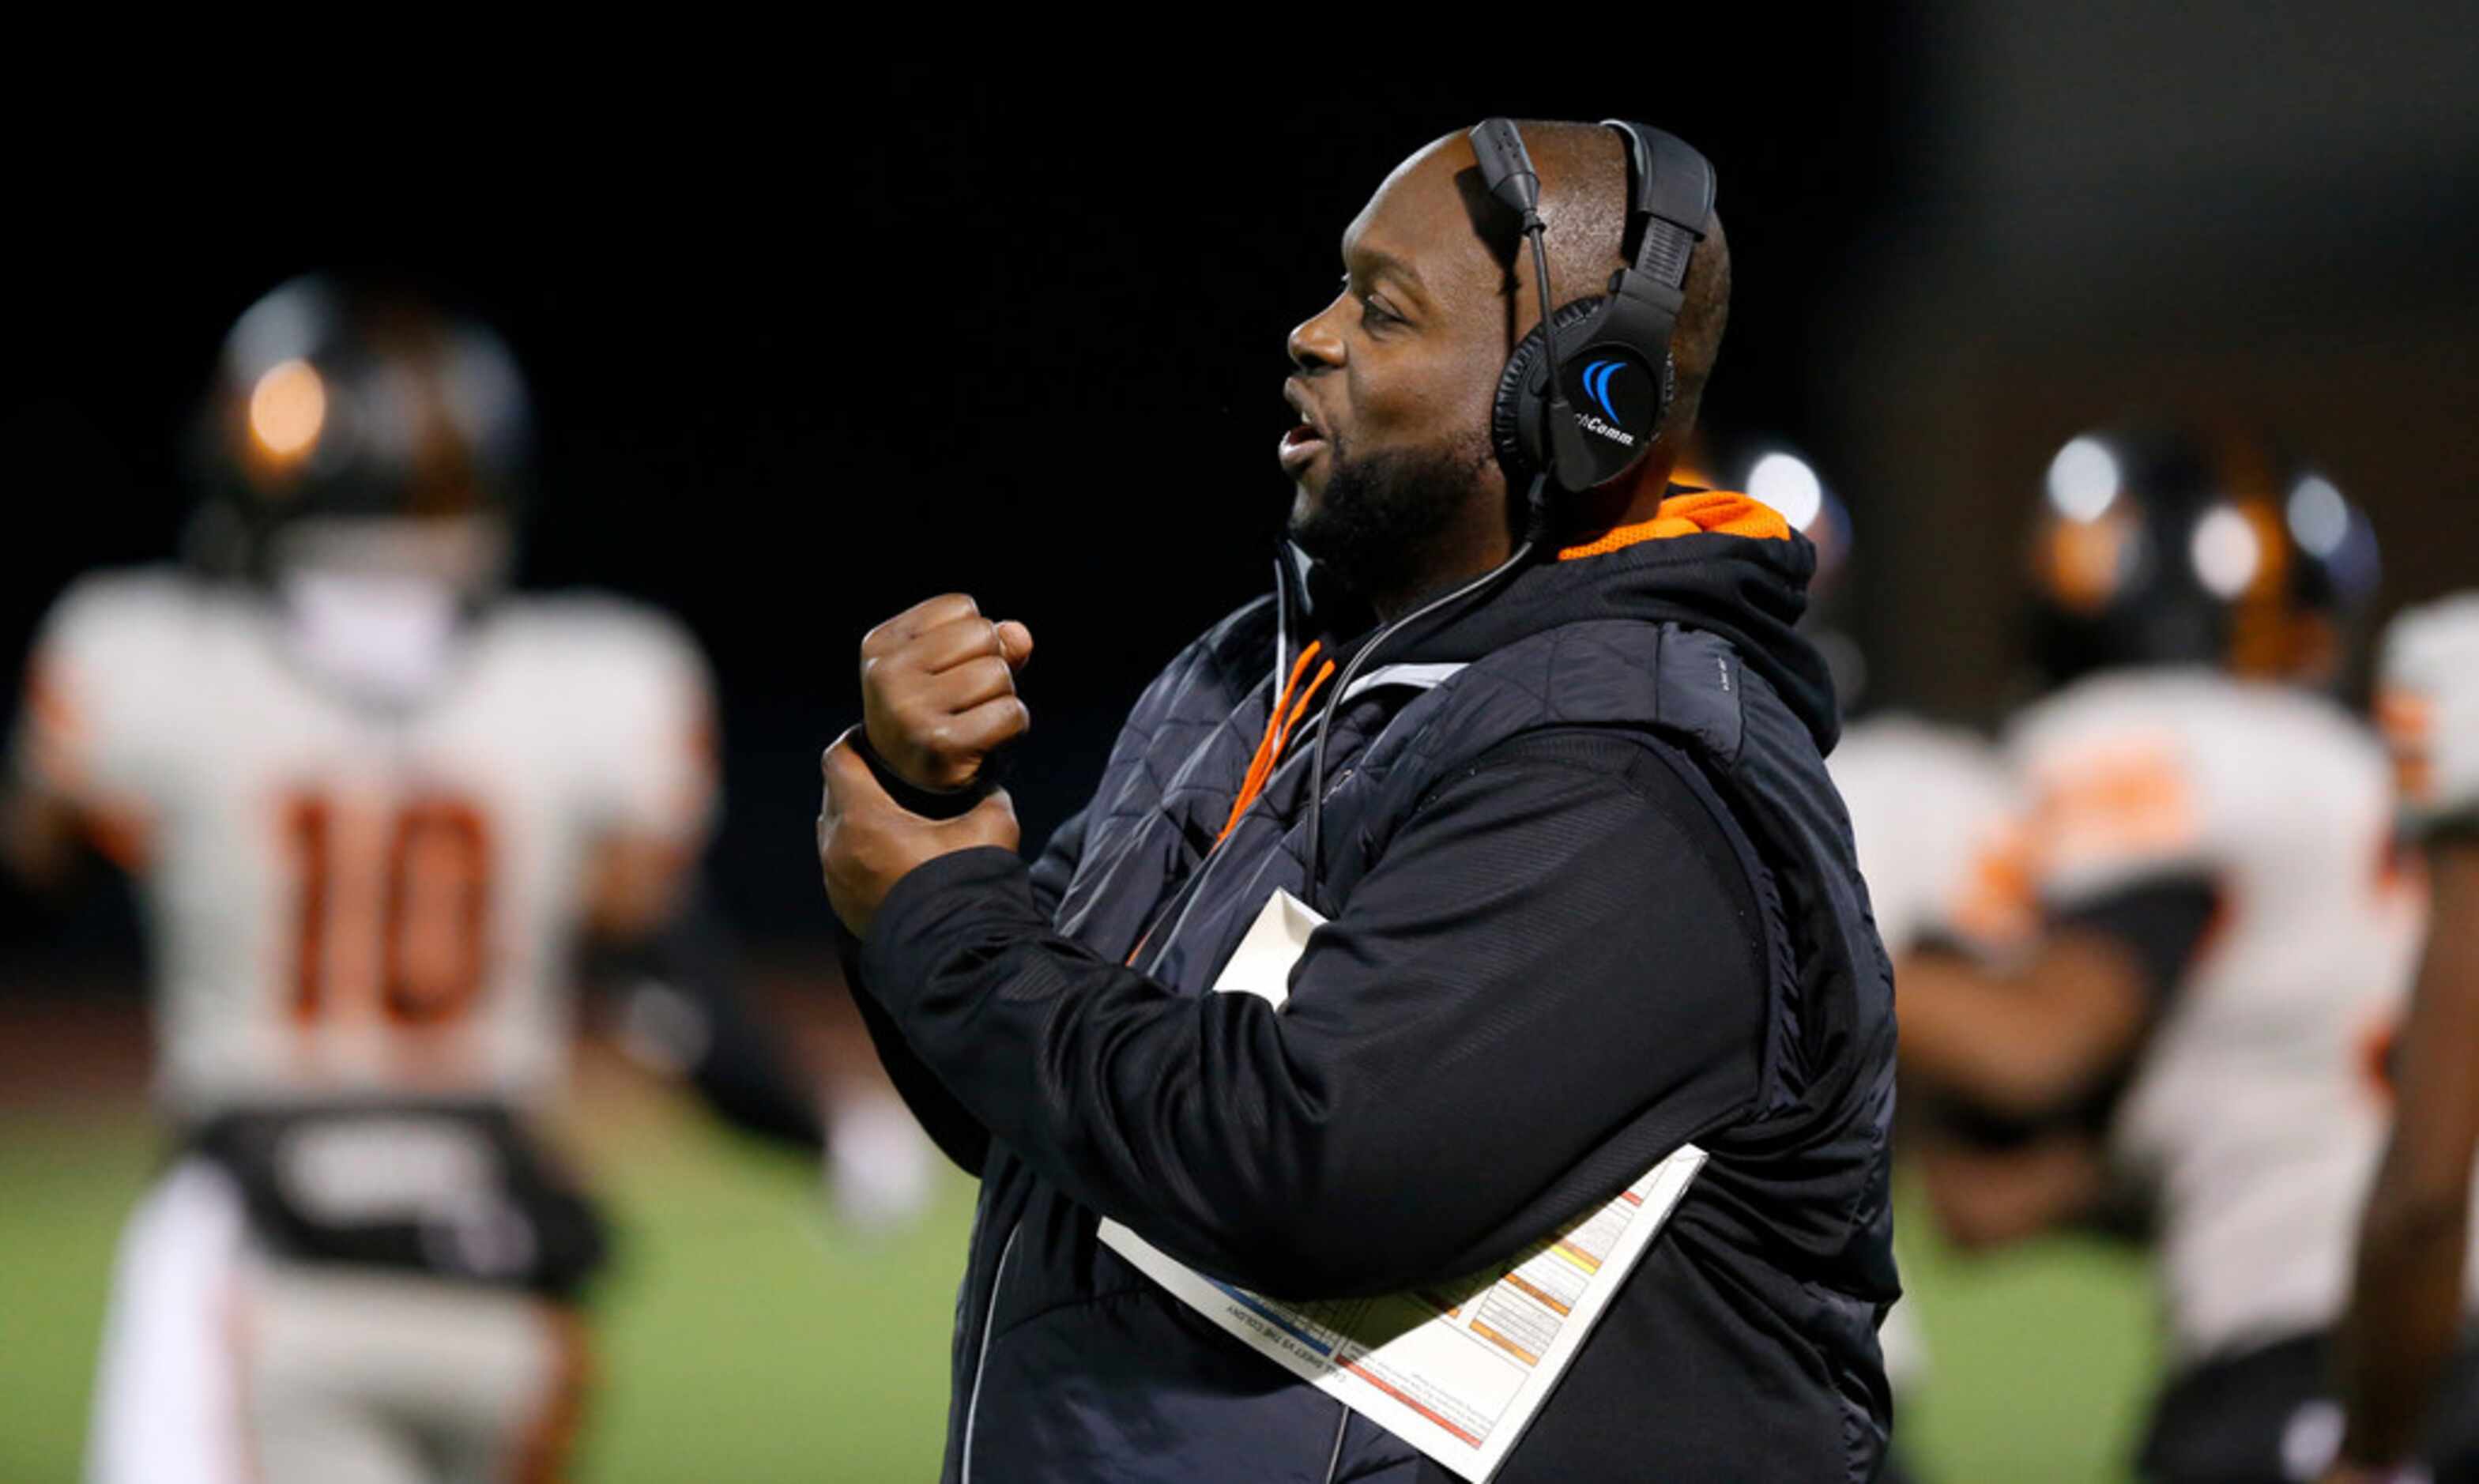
<point>1670,195</point>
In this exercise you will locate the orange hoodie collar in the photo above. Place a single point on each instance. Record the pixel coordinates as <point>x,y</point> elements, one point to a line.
<point>1687,515</point>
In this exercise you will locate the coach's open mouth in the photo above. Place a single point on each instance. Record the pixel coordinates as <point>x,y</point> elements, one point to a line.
<point>1300,446</point>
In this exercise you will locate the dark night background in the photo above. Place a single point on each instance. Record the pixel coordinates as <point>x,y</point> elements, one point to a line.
<point>812,335</point>
<point>1020,333</point>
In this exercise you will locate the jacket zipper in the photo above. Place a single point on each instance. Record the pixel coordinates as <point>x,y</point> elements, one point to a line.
<point>1341,1425</point>
<point>1195,887</point>
<point>1284,576</point>
<point>980,1363</point>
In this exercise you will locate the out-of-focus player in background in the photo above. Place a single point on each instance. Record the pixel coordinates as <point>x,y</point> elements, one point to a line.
<point>378,807</point>
<point>2406,1334</point>
<point>1937,821</point>
<point>1933,812</point>
<point>2227,930</point>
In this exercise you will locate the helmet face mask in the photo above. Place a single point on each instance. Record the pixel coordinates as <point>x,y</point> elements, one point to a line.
<point>466,555</point>
<point>2156,548</point>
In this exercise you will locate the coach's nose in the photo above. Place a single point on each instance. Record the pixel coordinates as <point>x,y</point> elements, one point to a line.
<point>1315,343</point>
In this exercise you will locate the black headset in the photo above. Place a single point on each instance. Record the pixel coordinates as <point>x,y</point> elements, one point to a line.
<point>1583,396</point>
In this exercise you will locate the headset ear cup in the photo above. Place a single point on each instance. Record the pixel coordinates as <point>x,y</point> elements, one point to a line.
<point>1515,414</point>
<point>1507,412</point>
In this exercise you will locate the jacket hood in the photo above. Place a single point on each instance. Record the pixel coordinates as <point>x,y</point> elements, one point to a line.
<point>1711,560</point>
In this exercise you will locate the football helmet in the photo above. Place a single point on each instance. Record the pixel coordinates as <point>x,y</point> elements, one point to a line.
<point>2168,546</point>
<point>353,424</point>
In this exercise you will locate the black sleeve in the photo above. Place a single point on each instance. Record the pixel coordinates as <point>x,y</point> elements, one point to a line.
<point>1559,943</point>
<point>948,1123</point>
<point>680,992</point>
<point>951,1126</point>
<point>2163,921</point>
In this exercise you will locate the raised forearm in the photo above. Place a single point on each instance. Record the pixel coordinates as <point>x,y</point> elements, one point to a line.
<point>2405,1312</point>
<point>2406,1306</point>
<point>2022,1044</point>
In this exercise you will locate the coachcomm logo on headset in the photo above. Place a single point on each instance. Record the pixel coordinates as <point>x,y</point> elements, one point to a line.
<point>1597,385</point>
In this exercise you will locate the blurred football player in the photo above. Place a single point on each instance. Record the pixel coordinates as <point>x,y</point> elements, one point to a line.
<point>2407,1321</point>
<point>1937,825</point>
<point>1933,809</point>
<point>373,802</point>
<point>2227,933</point>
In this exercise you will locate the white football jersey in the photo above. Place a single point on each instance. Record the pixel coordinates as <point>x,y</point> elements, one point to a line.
<point>2428,699</point>
<point>345,899</point>
<point>2258,1109</point>
<point>1938,826</point>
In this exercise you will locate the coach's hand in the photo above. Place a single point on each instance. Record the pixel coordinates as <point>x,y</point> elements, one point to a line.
<point>867,842</point>
<point>938,690</point>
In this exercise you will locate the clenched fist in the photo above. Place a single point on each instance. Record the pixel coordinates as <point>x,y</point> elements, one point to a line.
<point>938,690</point>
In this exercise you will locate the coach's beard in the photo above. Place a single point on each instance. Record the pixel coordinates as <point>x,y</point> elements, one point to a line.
<point>1381,513</point>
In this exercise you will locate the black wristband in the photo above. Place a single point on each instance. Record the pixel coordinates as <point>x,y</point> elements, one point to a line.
<point>911,797</point>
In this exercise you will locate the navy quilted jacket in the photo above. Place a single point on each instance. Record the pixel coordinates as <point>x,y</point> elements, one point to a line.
<point>1591,897</point>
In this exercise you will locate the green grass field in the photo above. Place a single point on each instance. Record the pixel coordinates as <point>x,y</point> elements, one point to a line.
<point>745,1338</point>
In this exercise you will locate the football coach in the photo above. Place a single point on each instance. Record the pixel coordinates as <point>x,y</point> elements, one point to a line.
<point>1528,726</point>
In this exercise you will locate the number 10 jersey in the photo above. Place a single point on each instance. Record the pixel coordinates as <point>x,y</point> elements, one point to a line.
<point>347,900</point>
